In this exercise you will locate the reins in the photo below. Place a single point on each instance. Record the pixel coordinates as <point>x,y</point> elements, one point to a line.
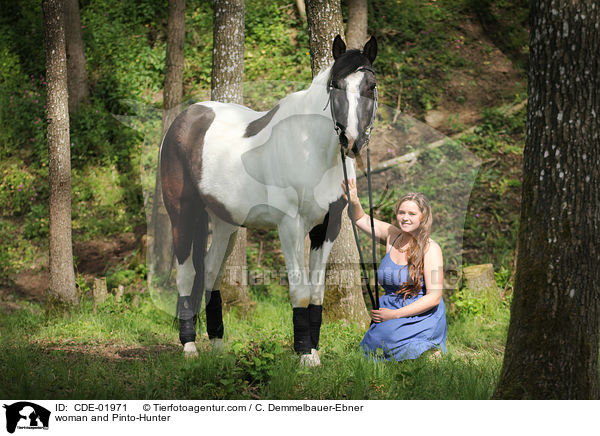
<point>365,276</point>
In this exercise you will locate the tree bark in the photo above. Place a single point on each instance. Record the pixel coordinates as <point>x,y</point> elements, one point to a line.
<point>62,276</point>
<point>356,29</point>
<point>227,86</point>
<point>160,238</point>
<point>76,74</point>
<point>552,345</point>
<point>324,23</point>
<point>343,292</point>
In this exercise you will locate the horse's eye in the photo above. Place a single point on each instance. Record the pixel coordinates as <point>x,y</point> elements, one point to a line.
<point>373,86</point>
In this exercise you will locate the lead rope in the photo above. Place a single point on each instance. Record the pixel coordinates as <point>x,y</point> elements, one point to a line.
<point>374,246</point>
<point>365,275</point>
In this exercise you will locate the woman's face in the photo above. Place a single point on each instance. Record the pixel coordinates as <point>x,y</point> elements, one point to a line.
<point>409,216</point>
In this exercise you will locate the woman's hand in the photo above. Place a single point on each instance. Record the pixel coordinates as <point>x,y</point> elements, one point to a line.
<point>353,191</point>
<point>383,314</point>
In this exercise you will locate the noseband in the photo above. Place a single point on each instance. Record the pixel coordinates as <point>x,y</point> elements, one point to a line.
<point>336,126</point>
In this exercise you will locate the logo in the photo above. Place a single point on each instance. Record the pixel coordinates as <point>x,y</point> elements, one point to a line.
<point>26,415</point>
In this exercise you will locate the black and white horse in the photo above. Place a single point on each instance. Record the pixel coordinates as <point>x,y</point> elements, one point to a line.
<point>283,168</point>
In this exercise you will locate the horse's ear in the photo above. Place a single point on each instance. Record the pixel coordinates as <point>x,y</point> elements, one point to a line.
<point>370,50</point>
<point>339,47</point>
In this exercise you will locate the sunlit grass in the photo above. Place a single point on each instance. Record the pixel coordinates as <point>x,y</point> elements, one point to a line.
<point>120,351</point>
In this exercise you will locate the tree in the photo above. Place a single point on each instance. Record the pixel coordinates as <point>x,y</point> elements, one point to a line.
<point>160,236</point>
<point>62,275</point>
<point>356,29</point>
<point>227,86</point>
<point>552,345</point>
<point>343,293</point>
<point>76,74</point>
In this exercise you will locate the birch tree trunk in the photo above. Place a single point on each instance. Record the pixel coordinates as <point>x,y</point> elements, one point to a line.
<point>343,292</point>
<point>76,74</point>
<point>160,237</point>
<point>62,276</point>
<point>552,346</point>
<point>227,86</point>
<point>356,29</point>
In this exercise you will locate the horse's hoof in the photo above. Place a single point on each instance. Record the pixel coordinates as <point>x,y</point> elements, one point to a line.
<point>310,360</point>
<point>189,350</point>
<point>218,346</point>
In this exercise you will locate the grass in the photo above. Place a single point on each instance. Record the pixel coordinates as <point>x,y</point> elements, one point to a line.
<point>124,351</point>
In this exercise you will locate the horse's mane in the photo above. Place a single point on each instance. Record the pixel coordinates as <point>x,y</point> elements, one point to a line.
<point>348,62</point>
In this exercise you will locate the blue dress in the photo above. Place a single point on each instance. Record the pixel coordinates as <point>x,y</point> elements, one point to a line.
<point>403,338</point>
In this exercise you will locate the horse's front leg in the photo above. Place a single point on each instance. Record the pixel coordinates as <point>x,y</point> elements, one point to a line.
<point>291,234</point>
<point>322,238</point>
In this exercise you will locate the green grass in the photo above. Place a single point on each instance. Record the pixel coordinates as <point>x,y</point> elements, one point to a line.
<point>124,351</point>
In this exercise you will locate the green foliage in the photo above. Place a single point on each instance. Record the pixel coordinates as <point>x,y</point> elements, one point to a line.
<point>16,254</point>
<point>414,58</point>
<point>17,190</point>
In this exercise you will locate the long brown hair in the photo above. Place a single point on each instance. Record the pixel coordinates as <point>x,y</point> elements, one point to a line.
<point>418,244</point>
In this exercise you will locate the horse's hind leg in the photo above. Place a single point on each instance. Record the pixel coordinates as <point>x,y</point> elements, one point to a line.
<point>189,222</point>
<point>190,231</point>
<point>223,240</point>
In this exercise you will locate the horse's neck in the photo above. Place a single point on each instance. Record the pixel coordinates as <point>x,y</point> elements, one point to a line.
<point>314,102</point>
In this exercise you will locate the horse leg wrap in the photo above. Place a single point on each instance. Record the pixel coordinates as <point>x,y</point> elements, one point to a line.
<point>187,320</point>
<point>214,314</point>
<point>315,316</point>
<point>302,340</point>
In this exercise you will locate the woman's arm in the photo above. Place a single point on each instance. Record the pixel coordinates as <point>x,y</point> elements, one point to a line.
<point>362,220</point>
<point>433,274</point>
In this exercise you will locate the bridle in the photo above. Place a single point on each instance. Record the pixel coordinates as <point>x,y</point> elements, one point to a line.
<point>330,102</point>
<point>338,129</point>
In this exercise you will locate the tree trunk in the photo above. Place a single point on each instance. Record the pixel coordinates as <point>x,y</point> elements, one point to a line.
<point>552,346</point>
<point>343,292</point>
<point>160,238</point>
<point>301,9</point>
<point>62,276</point>
<point>356,29</point>
<point>324,23</point>
<point>77,77</point>
<point>227,86</point>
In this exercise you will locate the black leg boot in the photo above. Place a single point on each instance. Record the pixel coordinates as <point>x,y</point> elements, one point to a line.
<point>214,315</point>
<point>187,320</point>
<point>302,341</point>
<point>315,316</point>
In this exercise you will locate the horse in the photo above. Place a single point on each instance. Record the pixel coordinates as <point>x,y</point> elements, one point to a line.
<point>232,166</point>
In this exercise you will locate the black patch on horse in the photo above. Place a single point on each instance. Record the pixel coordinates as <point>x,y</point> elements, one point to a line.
<point>330,228</point>
<point>257,125</point>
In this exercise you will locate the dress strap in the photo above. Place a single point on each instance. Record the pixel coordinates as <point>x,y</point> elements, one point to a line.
<point>394,242</point>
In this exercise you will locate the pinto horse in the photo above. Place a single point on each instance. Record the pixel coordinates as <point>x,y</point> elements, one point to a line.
<point>282,168</point>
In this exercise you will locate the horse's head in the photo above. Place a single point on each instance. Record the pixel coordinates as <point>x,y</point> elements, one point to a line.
<point>353,94</point>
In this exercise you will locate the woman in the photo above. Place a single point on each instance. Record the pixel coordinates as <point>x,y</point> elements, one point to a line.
<point>412,317</point>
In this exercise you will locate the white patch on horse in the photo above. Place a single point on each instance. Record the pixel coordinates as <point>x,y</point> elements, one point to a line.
<point>317,267</point>
<point>185,276</point>
<point>353,96</point>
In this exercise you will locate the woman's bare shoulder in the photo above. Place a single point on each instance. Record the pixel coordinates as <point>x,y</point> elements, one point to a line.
<point>433,247</point>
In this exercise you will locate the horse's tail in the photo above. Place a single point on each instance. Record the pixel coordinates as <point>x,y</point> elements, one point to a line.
<point>186,209</point>
<point>199,247</point>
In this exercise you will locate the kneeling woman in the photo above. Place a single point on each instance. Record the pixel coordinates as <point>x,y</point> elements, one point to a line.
<point>412,317</point>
